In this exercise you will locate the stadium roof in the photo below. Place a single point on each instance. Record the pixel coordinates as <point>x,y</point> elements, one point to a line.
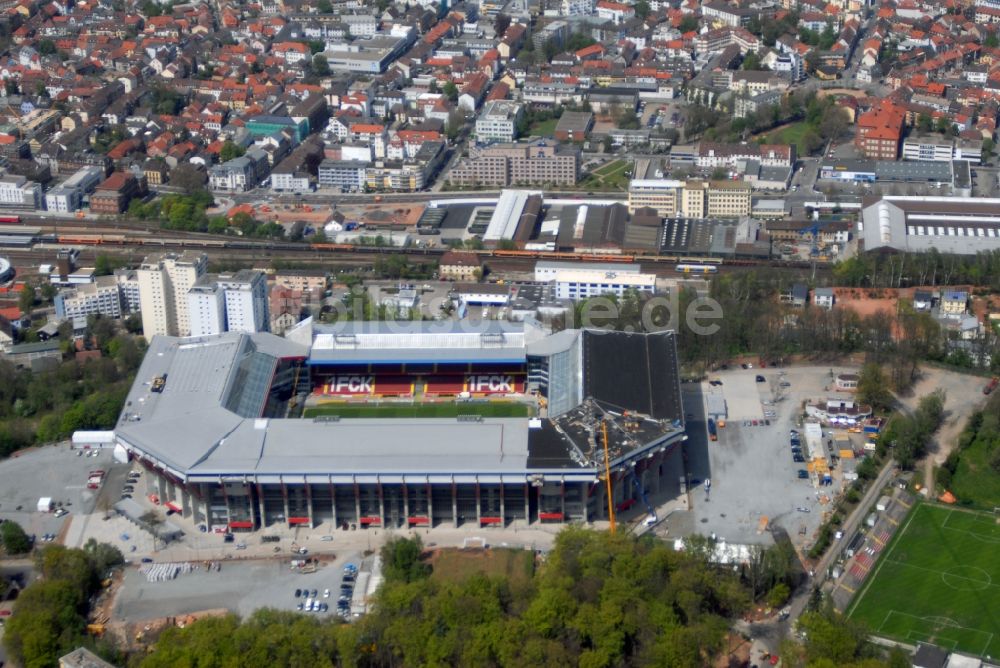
<point>206,422</point>
<point>401,342</point>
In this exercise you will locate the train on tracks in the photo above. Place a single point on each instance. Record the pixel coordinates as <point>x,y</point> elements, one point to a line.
<point>683,264</point>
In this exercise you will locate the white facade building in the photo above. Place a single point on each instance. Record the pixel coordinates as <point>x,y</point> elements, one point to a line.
<point>19,192</point>
<point>229,303</point>
<point>582,280</point>
<point>206,308</point>
<point>101,297</point>
<point>164,281</point>
<point>498,121</point>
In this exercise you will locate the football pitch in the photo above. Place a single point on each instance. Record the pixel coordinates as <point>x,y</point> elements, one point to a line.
<point>938,582</point>
<point>428,410</point>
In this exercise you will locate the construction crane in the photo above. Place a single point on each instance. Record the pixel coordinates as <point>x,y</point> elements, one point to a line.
<point>607,475</point>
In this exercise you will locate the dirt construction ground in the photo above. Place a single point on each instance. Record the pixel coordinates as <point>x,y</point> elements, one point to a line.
<point>963,396</point>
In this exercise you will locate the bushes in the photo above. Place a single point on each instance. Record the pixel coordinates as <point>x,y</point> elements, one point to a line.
<point>13,538</point>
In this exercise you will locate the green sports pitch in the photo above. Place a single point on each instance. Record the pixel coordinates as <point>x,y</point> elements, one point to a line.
<point>425,410</point>
<point>938,582</point>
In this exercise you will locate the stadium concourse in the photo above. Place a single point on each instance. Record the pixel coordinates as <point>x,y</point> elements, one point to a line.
<point>217,422</point>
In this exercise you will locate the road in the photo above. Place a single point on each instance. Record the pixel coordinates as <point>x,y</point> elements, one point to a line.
<point>769,634</point>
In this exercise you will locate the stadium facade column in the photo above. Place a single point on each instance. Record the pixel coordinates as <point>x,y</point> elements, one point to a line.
<point>309,500</point>
<point>161,488</point>
<point>430,504</point>
<point>584,499</point>
<point>381,501</point>
<point>479,504</point>
<point>562,497</point>
<point>357,500</point>
<point>262,508</point>
<point>333,502</point>
<point>503,514</point>
<point>406,503</point>
<point>284,499</point>
<point>527,503</point>
<point>454,503</point>
<point>225,496</point>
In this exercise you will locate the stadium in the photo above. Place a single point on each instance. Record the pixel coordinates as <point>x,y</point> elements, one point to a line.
<point>404,424</point>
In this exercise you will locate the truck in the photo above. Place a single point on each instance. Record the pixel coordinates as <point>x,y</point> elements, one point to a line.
<point>94,479</point>
<point>45,504</point>
<point>713,433</point>
<point>992,385</point>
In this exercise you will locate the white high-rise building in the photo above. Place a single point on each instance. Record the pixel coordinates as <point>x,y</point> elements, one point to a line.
<point>246,301</point>
<point>229,303</point>
<point>164,282</point>
<point>206,308</point>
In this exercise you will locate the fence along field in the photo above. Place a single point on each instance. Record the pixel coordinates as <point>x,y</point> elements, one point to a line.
<point>938,582</point>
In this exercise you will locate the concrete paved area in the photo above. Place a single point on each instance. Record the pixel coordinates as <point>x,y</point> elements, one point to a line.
<point>751,469</point>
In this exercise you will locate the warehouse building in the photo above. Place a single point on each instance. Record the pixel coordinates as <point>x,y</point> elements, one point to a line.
<point>210,419</point>
<point>960,225</point>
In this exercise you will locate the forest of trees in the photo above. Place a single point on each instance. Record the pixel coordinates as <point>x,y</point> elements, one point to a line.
<point>595,600</point>
<point>50,615</point>
<point>45,406</point>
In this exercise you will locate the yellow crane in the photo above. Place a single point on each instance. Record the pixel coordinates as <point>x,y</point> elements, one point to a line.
<point>607,475</point>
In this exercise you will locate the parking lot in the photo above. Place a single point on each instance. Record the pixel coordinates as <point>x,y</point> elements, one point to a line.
<point>55,472</point>
<point>240,586</point>
<point>754,480</point>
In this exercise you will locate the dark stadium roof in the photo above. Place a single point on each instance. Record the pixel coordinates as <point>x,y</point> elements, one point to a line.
<point>650,384</point>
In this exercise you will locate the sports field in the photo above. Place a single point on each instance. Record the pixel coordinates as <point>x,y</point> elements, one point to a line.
<point>938,582</point>
<point>428,410</point>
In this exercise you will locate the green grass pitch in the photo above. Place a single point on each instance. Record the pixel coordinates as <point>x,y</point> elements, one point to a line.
<point>938,581</point>
<point>428,410</point>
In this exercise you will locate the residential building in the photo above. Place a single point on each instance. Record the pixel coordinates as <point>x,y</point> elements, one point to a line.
<point>714,154</point>
<point>574,280</point>
<point>113,195</point>
<point>229,303</point>
<point>879,132</point>
<point>206,305</point>
<point>348,175</point>
<point>574,126</point>
<point>17,192</point>
<point>264,126</point>
<point>102,297</point>
<point>285,308</point>
<point>164,282</point>
<point>304,280</point>
<point>735,17</point>
<point>246,301</point>
<point>823,298</point>
<point>518,164</point>
<point>128,285</point>
<point>954,302</point>
<point>239,174</point>
<point>498,121</point>
<point>461,267</point>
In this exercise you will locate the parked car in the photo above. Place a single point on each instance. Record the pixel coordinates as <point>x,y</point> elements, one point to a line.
<point>298,592</point>
<point>326,593</point>
<point>803,474</point>
<point>761,379</point>
<point>798,459</point>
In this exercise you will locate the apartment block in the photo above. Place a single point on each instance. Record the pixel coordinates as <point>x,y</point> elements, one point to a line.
<point>518,164</point>
<point>102,297</point>
<point>17,192</point>
<point>498,121</point>
<point>229,303</point>
<point>164,281</point>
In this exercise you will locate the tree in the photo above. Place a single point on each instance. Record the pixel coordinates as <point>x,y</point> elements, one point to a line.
<point>450,90</point>
<point>401,560</point>
<point>104,265</point>
<point>688,24</point>
<point>991,41</point>
<point>320,65</point>
<point>751,61</point>
<point>13,538</point>
<point>46,47</point>
<point>324,7</point>
<point>188,177</point>
<point>641,9</point>
<point>873,387</point>
<point>26,300</point>
<point>12,87</point>
<point>925,123</point>
<point>230,150</point>
<point>943,124</point>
